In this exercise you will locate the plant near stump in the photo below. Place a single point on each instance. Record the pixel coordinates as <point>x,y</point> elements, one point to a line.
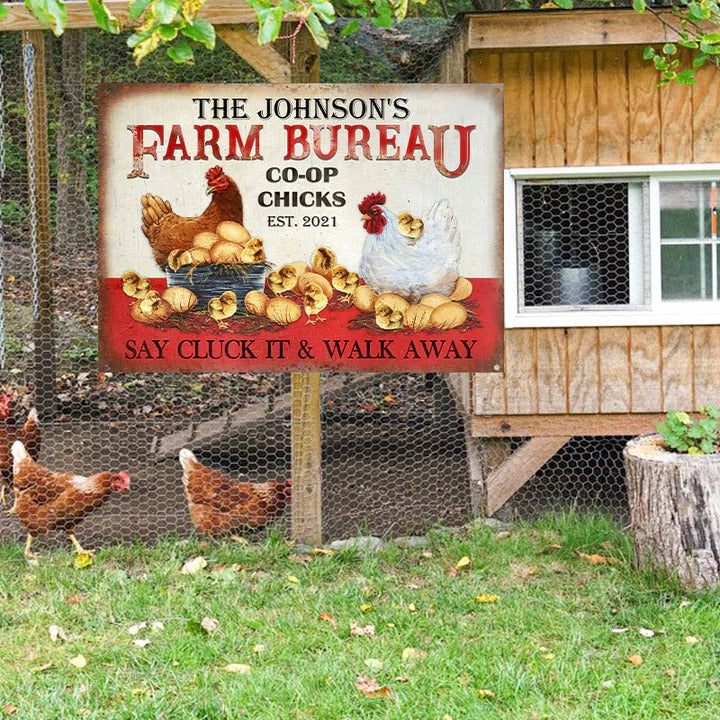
<point>694,436</point>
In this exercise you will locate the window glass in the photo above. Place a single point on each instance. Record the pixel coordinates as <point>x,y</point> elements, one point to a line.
<point>688,237</point>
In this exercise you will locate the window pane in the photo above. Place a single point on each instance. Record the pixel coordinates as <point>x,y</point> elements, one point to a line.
<point>686,272</point>
<point>575,243</point>
<point>685,210</point>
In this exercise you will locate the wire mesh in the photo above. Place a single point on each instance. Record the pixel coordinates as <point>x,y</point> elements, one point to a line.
<point>394,458</point>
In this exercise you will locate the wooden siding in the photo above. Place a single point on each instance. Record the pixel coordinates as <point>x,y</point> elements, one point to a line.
<point>600,106</point>
<point>584,371</point>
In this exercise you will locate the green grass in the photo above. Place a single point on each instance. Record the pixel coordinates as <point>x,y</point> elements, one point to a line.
<point>546,648</point>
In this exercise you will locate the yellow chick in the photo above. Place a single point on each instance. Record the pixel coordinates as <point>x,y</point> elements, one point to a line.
<point>314,301</point>
<point>387,318</point>
<point>322,261</point>
<point>223,307</point>
<point>134,285</point>
<point>253,251</point>
<point>151,309</point>
<point>410,226</point>
<point>345,282</point>
<point>282,280</point>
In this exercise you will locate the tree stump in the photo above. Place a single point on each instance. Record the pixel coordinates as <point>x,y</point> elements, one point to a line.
<point>674,510</point>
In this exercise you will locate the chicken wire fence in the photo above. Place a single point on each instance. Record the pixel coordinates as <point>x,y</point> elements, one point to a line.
<point>394,446</point>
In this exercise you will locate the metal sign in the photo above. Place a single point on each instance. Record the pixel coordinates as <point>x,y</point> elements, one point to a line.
<point>300,227</point>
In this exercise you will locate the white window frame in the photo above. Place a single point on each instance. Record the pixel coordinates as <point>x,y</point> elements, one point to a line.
<point>657,311</point>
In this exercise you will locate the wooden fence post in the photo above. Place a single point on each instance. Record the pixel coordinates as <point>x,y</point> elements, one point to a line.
<point>306,399</point>
<point>39,199</point>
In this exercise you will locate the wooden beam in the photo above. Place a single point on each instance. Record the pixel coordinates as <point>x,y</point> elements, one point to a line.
<point>262,58</point>
<point>38,159</point>
<point>305,387</point>
<point>80,15</point>
<point>503,482</point>
<point>572,28</point>
<point>306,442</point>
<point>560,425</point>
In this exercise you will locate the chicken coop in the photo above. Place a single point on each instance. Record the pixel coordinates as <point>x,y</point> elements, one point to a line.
<point>611,267</point>
<point>610,241</point>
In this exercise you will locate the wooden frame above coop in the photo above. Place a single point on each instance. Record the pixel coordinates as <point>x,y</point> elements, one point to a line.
<point>612,256</point>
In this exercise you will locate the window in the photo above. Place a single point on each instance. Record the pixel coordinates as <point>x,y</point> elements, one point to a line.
<point>612,246</point>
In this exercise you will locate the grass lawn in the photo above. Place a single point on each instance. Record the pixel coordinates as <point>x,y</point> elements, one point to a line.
<point>548,647</point>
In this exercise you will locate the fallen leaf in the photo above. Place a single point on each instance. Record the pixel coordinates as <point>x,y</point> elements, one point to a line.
<point>141,642</point>
<point>75,599</point>
<point>402,679</point>
<point>412,608</point>
<point>484,693</point>
<point>362,631</point>
<point>10,709</point>
<point>83,560</point>
<point>292,579</point>
<point>209,625</point>
<point>619,631</point>
<point>635,660</point>
<point>135,629</point>
<point>371,688</point>
<point>607,544</point>
<point>79,661</point>
<point>646,633</point>
<point>607,683</point>
<point>327,617</point>
<point>42,668</point>
<point>685,603</point>
<point>57,633</point>
<point>389,399</point>
<point>157,625</point>
<point>486,598</point>
<point>463,563</point>
<point>374,664</point>
<point>390,625</point>
<point>595,559</point>
<point>548,656</point>
<point>238,668</point>
<point>549,548</point>
<point>322,551</point>
<point>411,654</point>
<point>259,648</point>
<point>670,672</point>
<point>194,565</point>
<point>503,535</point>
<point>426,554</point>
<point>366,607</point>
<point>691,640</point>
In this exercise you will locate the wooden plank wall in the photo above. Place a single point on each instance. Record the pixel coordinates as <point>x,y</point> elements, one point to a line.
<point>600,106</point>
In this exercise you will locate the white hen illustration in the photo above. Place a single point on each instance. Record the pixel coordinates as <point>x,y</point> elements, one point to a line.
<point>393,262</point>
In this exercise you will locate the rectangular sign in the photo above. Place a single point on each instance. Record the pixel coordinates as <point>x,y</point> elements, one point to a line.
<point>300,227</point>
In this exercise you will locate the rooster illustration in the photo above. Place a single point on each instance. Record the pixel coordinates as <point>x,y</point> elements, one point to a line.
<point>393,262</point>
<point>167,231</point>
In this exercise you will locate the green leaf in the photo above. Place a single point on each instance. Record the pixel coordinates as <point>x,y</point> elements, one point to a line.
<point>168,32</point>
<point>325,11</point>
<point>165,10</point>
<point>707,446</point>
<point>350,28</point>
<point>270,23</point>
<point>52,13</point>
<point>711,38</point>
<point>201,31</point>
<point>648,53</point>
<point>136,8</point>
<point>103,17</point>
<point>639,6</point>
<point>3,11</point>
<point>181,52</point>
<point>317,30</point>
<point>565,4</point>
<point>669,49</point>
<point>699,60</point>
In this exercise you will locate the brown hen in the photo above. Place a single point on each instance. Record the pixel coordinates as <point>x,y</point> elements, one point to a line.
<point>10,431</point>
<point>167,231</point>
<point>220,505</point>
<point>46,500</point>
